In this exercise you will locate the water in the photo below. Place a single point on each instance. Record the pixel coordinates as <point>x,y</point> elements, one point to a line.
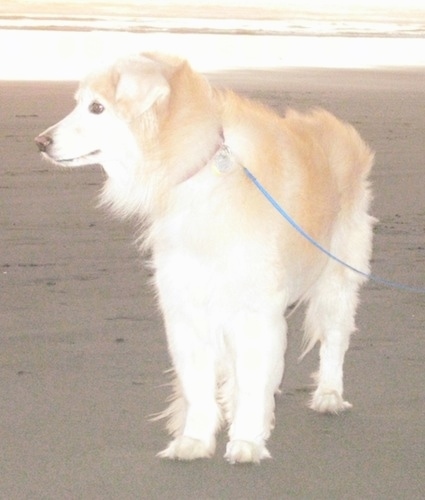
<point>278,27</point>
<point>58,42</point>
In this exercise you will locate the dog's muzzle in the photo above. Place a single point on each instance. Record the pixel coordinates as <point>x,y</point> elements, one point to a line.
<point>43,142</point>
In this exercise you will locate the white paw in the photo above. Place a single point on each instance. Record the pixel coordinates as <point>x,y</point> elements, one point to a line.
<point>328,402</point>
<point>242,452</point>
<point>187,448</point>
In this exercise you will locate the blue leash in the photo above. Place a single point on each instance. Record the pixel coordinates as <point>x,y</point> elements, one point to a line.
<point>377,279</point>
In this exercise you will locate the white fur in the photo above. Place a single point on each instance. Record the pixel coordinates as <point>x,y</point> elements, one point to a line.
<point>226,264</point>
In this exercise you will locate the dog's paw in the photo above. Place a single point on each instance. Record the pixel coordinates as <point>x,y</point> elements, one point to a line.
<point>187,448</point>
<point>328,402</point>
<point>244,452</point>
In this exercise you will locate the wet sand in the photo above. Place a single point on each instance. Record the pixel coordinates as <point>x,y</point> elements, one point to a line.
<point>83,349</point>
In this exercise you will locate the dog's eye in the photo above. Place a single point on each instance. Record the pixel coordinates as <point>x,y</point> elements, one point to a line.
<point>96,108</point>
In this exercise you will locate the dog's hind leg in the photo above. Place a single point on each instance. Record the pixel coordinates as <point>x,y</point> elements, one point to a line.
<point>330,317</point>
<point>257,342</point>
<point>330,320</point>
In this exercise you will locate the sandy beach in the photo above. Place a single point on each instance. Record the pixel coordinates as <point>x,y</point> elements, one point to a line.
<point>83,348</point>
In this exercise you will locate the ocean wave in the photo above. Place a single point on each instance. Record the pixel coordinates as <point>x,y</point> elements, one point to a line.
<point>276,27</point>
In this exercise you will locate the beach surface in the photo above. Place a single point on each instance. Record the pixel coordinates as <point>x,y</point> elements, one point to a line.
<point>83,347</point>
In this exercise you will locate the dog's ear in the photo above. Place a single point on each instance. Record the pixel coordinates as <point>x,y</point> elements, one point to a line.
<point>140,87</point>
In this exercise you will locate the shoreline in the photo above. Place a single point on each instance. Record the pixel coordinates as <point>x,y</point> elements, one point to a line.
<point>68,55</point>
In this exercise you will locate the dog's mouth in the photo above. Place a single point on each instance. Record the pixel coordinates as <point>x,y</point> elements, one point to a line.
<point>83,159</point>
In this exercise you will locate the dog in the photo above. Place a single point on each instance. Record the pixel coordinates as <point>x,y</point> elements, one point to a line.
<point>226,264</point>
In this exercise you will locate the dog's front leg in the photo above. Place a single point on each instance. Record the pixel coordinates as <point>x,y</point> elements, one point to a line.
<point>194,415</point>
<point>258,342</point>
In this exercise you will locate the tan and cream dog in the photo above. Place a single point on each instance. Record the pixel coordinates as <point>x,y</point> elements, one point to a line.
<point>227,265</point>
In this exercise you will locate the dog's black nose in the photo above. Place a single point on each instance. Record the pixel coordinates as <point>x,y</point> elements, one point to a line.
<point>43,142</point>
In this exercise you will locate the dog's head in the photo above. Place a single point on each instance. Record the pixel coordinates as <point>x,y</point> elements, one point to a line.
<point>108,102</point>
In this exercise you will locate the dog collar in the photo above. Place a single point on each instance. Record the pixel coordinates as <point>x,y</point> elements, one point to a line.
<point>221,160</point>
